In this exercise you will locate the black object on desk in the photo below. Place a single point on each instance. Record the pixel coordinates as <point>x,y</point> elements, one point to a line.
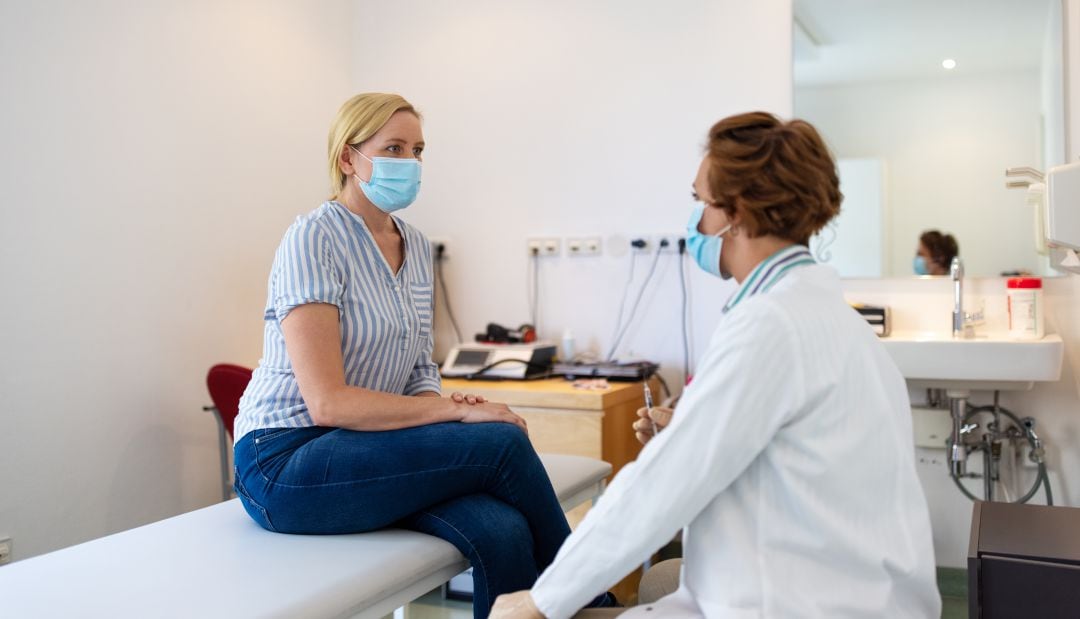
<point>630,372</point>
<point>1024,561</point>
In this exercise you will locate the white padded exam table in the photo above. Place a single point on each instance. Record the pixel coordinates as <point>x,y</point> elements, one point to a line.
<point>216,562</point>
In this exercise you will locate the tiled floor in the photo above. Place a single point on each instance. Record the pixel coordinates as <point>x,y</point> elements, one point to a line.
<point>433,606</point>
<point>951,582</point>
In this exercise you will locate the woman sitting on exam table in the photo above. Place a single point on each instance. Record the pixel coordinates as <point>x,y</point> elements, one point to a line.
<point>342,428</point>
<point>789,460</point>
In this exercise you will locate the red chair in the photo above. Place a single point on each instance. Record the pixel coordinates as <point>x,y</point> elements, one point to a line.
<point>226,384</point>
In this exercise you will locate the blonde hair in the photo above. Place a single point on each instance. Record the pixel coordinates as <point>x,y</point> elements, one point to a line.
<point>357,120</point>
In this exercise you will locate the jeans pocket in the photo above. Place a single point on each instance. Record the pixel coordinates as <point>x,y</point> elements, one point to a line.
<point>270,434</point>
<point>257,512</point>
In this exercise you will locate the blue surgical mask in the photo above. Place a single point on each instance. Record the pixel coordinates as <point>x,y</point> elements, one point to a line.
<point>394,182</point>
<point>919,264</point>
<point>705,248</point>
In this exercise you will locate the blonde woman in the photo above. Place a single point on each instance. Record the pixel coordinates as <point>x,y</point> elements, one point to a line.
<point>342,428</point>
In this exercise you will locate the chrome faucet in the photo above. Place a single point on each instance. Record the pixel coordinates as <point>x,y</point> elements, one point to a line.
<point>956,271</point>
<point>963,323</point>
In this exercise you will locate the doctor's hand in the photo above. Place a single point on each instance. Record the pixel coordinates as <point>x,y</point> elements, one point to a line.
<point>517,605</point>
<point>491,412</point>
<point>643,427</point>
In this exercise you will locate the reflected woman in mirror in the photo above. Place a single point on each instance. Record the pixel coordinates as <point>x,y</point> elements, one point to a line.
<point>935,253</point>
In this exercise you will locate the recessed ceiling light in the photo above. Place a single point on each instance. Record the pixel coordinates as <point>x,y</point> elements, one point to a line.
<point>948,63</point>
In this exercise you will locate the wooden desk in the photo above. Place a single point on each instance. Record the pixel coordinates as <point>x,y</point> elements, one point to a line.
<point>566,420</point>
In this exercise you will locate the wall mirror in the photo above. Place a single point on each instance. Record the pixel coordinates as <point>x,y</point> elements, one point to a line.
<point>925,104</point>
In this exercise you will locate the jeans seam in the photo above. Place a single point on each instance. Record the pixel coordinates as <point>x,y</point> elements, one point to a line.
<point>263,438</point>
<point>243,494</point>
<point>508,487</point>
<point>258,466</point>
<point>479,559</point>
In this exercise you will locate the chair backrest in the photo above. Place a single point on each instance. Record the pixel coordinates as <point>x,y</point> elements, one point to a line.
<point>226,384</point>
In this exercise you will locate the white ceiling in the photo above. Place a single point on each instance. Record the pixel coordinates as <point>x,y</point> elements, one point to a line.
<point>863,40</point>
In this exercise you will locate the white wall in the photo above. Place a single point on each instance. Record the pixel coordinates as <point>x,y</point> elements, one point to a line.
<point>946,143</point>
<point>153,154</point>
<point>571,118</point>
<point>853,242</point>
<point>1052,85</point>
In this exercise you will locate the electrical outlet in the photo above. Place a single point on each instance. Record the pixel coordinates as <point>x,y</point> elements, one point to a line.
<point>931,427</point>
<point>649,243</point>
<point>545,247</point>
<point>436,241</point>
<point>589,246</point>
<point>641,244</point>
<point>669,243</point>
<point>5,550</point>
<point>593,246</point>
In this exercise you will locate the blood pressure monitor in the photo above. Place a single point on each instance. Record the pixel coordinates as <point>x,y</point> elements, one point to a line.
<point>499,361</point>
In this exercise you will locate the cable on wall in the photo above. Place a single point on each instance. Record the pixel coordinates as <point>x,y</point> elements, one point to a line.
<point>684,289</point>
<point>534,289</point>
<point>637,301</point>
<point>440,257</point>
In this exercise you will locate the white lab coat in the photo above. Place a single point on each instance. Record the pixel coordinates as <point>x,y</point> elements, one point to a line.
<point>789,462</point>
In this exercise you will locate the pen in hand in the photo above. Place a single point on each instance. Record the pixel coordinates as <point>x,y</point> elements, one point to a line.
<point>648,408</point>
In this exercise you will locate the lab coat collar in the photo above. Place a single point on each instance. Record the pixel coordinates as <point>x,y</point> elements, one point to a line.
<point>769,271</point>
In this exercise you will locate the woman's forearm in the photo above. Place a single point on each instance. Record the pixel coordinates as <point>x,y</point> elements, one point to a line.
<point>356,408</point>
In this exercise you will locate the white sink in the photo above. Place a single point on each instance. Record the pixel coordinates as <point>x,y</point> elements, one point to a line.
<point>988,362</point>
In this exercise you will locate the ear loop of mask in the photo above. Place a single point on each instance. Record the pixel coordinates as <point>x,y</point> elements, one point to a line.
<point>357,176</point>
<point>726,229</point>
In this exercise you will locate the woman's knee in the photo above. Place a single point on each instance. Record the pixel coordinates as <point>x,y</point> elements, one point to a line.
<point>505,531</point>
<point>509,436</point>
<point>485,526</point>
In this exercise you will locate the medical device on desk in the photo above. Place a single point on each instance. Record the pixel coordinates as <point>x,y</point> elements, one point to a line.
<point>499,361</point>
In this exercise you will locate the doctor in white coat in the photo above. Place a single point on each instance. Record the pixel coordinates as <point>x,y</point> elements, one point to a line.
<point>789,459</point>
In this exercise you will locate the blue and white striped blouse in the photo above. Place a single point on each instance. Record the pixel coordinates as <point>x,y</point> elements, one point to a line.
<point>329,256</point>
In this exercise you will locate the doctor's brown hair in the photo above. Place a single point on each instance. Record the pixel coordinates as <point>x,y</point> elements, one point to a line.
<point>778,176</point>
<point>942,247</point>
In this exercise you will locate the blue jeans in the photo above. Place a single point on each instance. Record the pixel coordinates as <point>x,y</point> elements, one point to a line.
<point>480,487</point>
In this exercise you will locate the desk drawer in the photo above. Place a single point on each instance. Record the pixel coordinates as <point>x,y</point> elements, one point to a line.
<point>561,431</point>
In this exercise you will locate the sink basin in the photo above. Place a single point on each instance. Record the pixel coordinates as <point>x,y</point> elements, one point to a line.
<point>987,362</point>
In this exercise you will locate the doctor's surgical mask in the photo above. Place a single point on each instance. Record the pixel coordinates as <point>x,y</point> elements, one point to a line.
<point>919,266</point>
<point>394,182</point>
<point>705,248</point>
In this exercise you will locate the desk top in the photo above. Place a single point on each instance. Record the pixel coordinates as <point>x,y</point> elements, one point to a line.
<point>549,392</point>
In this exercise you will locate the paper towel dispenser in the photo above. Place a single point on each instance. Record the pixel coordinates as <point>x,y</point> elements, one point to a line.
<point>1063,212</point>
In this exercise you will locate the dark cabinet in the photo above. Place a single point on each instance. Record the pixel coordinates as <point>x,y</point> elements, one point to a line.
<point>1024,561</point>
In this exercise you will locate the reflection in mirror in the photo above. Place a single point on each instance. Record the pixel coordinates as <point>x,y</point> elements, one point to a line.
<point>925,104</point>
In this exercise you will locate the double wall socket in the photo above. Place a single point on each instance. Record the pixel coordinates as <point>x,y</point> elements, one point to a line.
<point>545,247</point>
<point>584,246</point>
<point>649,243</point>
